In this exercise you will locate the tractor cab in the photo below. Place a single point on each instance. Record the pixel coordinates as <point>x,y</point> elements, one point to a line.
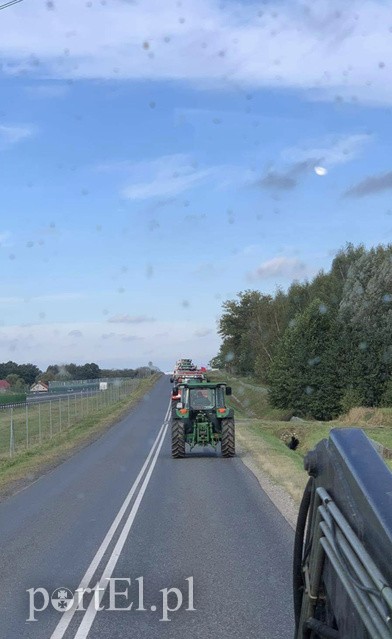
<point>204,396</point>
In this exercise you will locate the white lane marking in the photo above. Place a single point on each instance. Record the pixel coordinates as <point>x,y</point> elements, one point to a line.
<point>91,611</point>
<point>66,618</point>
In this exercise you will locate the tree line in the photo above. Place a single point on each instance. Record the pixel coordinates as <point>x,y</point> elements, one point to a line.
<point>22,376</point>
<point>323,346</point>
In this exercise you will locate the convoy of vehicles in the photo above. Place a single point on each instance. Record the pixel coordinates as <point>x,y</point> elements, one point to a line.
<point>185,369</point>
<point>200,414</point>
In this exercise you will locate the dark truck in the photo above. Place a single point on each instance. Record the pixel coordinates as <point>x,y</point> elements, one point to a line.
<point>342,573</point>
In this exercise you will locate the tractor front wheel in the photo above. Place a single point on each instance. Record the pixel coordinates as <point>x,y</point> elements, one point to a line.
<point>178,439</point>
<point>228,438</point>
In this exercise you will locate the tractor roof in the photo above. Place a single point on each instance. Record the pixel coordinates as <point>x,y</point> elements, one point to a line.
<point>196,384</point>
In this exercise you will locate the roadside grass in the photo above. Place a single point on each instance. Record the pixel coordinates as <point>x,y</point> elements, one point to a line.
<point>9,397</point>
<point>282,465</point>
<point>262,431</point>
<point>28,465</point>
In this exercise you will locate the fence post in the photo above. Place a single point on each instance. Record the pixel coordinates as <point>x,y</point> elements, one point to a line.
<point>12,438</point>
<point>39,422</point>
<point>27,425</point>
<point>60,412</point>
<point>50,418</point>
<point>69,423</point>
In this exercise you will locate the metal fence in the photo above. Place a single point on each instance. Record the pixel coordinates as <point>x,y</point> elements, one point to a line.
<point>24,426</point>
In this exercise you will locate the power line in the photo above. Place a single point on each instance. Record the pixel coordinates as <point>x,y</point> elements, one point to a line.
<point>8,4</point>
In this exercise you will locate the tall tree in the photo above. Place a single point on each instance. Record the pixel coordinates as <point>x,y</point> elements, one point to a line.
<point>16,382</point>
<point>365,316</point>
<point>90,371</point>
<point>251,327</point>
<point>304,375</point>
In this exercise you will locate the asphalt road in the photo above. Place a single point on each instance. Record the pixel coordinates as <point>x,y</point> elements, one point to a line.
<point>122,509</point>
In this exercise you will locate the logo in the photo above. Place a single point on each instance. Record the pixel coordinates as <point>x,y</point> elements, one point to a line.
<point>121,597</point>
<point>62,599</point>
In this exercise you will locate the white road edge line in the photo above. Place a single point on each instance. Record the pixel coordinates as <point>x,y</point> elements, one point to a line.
<point>66,618</point>
<point>91,611</point>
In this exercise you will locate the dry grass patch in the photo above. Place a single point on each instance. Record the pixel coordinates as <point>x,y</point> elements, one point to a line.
<point>261,431</point>
<point>271,455</point>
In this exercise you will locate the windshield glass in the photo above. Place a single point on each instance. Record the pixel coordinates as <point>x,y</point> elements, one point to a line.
<point>202,398</point>
<point>192,192</point>
<point>220,396</point>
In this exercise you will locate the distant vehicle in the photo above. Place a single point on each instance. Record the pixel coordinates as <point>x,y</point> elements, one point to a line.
<point>184,369</point>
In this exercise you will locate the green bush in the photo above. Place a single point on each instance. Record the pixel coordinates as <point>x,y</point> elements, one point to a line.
<point>386,399</point>
<point>352,397</point>
<point>12,398</point>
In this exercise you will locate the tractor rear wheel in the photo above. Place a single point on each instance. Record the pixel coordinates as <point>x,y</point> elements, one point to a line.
<point>228,438</point>
<point>178,439</point>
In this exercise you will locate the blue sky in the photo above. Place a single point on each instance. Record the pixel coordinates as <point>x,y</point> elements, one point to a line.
<point>158,158</point>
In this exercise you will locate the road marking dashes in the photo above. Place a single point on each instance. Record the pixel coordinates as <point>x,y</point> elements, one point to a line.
<point>89,615</point>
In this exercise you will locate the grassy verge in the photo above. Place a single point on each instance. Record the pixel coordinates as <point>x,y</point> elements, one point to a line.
<point>12,398</point>
<point>282,465</point>
<point>261,432</point>
<point>27,465</point>
<point>34,423</point>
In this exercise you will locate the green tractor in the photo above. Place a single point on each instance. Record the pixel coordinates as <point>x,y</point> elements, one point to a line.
<point>203,418</point>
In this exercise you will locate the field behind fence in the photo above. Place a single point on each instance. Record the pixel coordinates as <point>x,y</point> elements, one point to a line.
<point>24,426</point>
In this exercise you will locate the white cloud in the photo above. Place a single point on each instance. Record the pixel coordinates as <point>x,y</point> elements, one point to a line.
<point>10,135</point>
<point>330,150</point>
<point>130,319</point>
<point>324,48</point>
<point>170,175</point>
<point>304,160</point>
<point>280,267</point>
<point>166,176</point>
